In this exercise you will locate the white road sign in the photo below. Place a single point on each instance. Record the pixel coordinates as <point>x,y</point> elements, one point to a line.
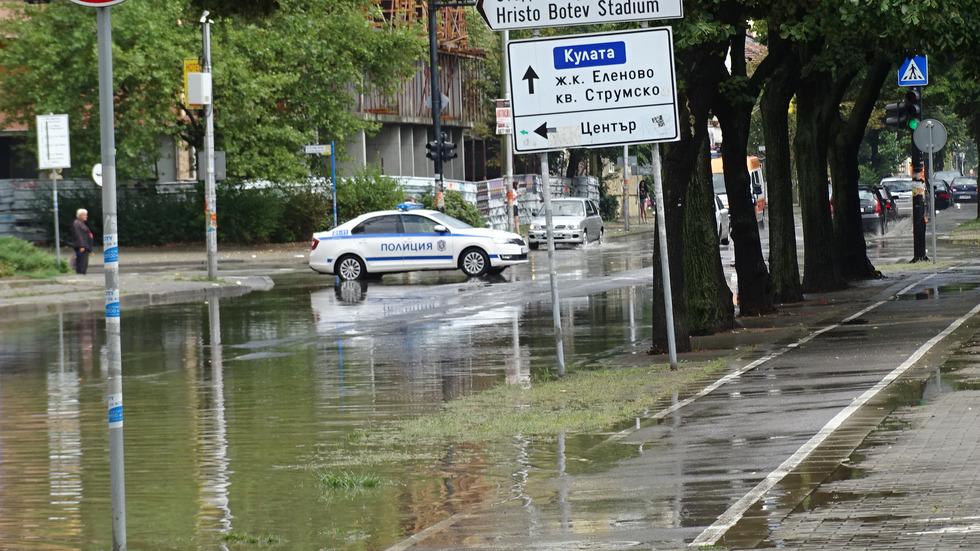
<point>593,90</point>
<point>53,149</point>
<point>529,14</point>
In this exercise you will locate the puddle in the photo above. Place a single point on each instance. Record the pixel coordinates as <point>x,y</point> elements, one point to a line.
<point>940,291</point>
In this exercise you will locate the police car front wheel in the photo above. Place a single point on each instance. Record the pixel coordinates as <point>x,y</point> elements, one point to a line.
<point>350,268</point>
<point>474,262</point>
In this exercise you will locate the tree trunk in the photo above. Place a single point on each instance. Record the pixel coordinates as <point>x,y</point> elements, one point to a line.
<point>843,154</point>
<point>784,264</point>
<point>734,112</point>
<point>821,262</point>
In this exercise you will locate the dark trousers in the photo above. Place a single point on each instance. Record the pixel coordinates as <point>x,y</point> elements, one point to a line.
<point>81,262</point>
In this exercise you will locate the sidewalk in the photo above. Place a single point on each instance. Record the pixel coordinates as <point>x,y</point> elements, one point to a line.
<point>148,276</point>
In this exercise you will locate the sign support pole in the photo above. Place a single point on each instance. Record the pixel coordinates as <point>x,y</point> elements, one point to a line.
<point>57,230</point>
<point>110,240</point>
<point>552,265</point>
<point>658,190</point>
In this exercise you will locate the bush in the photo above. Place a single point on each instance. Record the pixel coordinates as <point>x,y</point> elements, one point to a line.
<point>366,191</point>
<point>456,206</point>
<point>18,257</point>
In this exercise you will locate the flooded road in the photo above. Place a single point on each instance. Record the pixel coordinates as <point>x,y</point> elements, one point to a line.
<point>238,412</point>
<point>234,408</point>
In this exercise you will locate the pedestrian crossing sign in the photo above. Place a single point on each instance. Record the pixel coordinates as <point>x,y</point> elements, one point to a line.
<point>914,72</point>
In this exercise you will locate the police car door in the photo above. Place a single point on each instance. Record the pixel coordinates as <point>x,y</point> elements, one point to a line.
<point>429,249</point>
<point>380,242</point>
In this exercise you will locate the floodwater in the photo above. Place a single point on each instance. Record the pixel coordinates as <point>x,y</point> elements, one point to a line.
<point>235,408</point>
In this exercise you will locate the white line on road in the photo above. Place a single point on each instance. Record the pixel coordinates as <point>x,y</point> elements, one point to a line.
<point>713,533</point>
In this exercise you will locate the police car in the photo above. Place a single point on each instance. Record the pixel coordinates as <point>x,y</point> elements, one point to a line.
<point>410,239</point>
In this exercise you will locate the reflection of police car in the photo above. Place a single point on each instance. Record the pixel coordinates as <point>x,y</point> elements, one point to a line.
<point>407,240</point>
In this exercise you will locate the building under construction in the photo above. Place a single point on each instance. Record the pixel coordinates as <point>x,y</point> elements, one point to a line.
<point>398,148</point>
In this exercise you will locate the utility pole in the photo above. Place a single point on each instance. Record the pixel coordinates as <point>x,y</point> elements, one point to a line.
<point>210,196</point>
<point>436,104</point>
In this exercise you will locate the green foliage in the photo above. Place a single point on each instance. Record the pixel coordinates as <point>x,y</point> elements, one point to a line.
<point>18,257</point>
<point>280,76</point>
<point>368,190</point>
<point>456,206</point>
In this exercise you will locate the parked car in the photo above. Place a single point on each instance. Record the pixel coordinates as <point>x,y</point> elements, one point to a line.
<point>943,194</point>
<point>900,188</point>
<point>964,189</point>
<point>410,239</point>
<point>946,175</point>
<point>722,221</point>
<point>874,215</point>
<point>576,221</point>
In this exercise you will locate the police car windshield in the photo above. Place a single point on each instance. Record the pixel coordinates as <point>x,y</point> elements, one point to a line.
<point>450,221</point>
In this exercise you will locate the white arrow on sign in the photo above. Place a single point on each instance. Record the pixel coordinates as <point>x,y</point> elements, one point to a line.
<point>530,14</point>
<point>593,90</point>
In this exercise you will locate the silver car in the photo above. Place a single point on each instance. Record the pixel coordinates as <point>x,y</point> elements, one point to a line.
<point>576,221</point>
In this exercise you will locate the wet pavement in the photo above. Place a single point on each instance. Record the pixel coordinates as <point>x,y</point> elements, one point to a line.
<point>907,484</point>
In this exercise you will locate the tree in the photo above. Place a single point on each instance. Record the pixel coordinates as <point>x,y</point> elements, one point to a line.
<point>279,80</point>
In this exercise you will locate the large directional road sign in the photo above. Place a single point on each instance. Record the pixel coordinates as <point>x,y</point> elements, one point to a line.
<point>529,14</point>
<point>593,90</point>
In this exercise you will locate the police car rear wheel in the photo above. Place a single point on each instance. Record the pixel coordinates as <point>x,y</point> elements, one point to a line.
<point>350,268</point>
<point>474,262</point>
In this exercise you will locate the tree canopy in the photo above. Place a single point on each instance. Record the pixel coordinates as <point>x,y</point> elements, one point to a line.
<point>280,81</point>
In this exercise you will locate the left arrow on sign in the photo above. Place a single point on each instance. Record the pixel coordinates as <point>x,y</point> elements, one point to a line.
<point>542,130</point>
<point>529,76</point>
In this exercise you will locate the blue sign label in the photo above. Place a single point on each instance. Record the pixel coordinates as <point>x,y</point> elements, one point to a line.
<point>112,310</point>
<point>590,55</point>
<point>111,255</point>
<point>116,415</point>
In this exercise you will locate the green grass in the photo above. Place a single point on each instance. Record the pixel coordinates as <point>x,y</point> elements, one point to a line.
<point>18,257</point>
<point>582,402</point>
<point>348,480</point>
<point>240,537</point>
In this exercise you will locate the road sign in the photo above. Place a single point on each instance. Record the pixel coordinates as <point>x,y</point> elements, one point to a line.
<point>593,90</point>
<point>316,149</point>
<point>929,136</point>
<point>53,149</point>
<point>529,14</point>
<point>914,72</point>
<point>97,3</point>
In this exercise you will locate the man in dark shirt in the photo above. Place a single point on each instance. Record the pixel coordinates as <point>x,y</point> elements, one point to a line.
<point>82,241</point>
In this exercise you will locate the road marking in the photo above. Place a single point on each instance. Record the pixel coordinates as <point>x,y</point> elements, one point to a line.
<point>727,520</point>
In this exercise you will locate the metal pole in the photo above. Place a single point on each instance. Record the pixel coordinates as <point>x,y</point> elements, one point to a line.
<point>626,187</point>
<point>57,230</point>
<point>932,195</point>
<point>333,179</point>
<point>552,266</point>
<point>110,241</point>
<point>436,103</point>
<point>210,197</point>
<point>509,184</point>
<point>658,190</point>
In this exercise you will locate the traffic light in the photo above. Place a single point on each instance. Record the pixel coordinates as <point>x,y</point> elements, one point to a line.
<point>448,151</point>
<point>913,107</point>
<point>432,150</point>
<point>896,114</point>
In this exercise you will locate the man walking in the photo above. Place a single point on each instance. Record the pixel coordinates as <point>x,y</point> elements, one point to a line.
<point>82,241</point>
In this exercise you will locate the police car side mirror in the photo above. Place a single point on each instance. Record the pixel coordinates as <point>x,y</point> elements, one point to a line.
<point>440,228</point>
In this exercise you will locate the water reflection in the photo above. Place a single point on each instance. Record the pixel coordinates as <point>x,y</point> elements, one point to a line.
<point>231,406</point>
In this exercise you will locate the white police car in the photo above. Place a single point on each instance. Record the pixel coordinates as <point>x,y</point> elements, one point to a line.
<point>410,239</point>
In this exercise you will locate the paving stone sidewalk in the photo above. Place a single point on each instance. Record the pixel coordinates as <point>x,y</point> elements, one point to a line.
<point>917,486</point>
